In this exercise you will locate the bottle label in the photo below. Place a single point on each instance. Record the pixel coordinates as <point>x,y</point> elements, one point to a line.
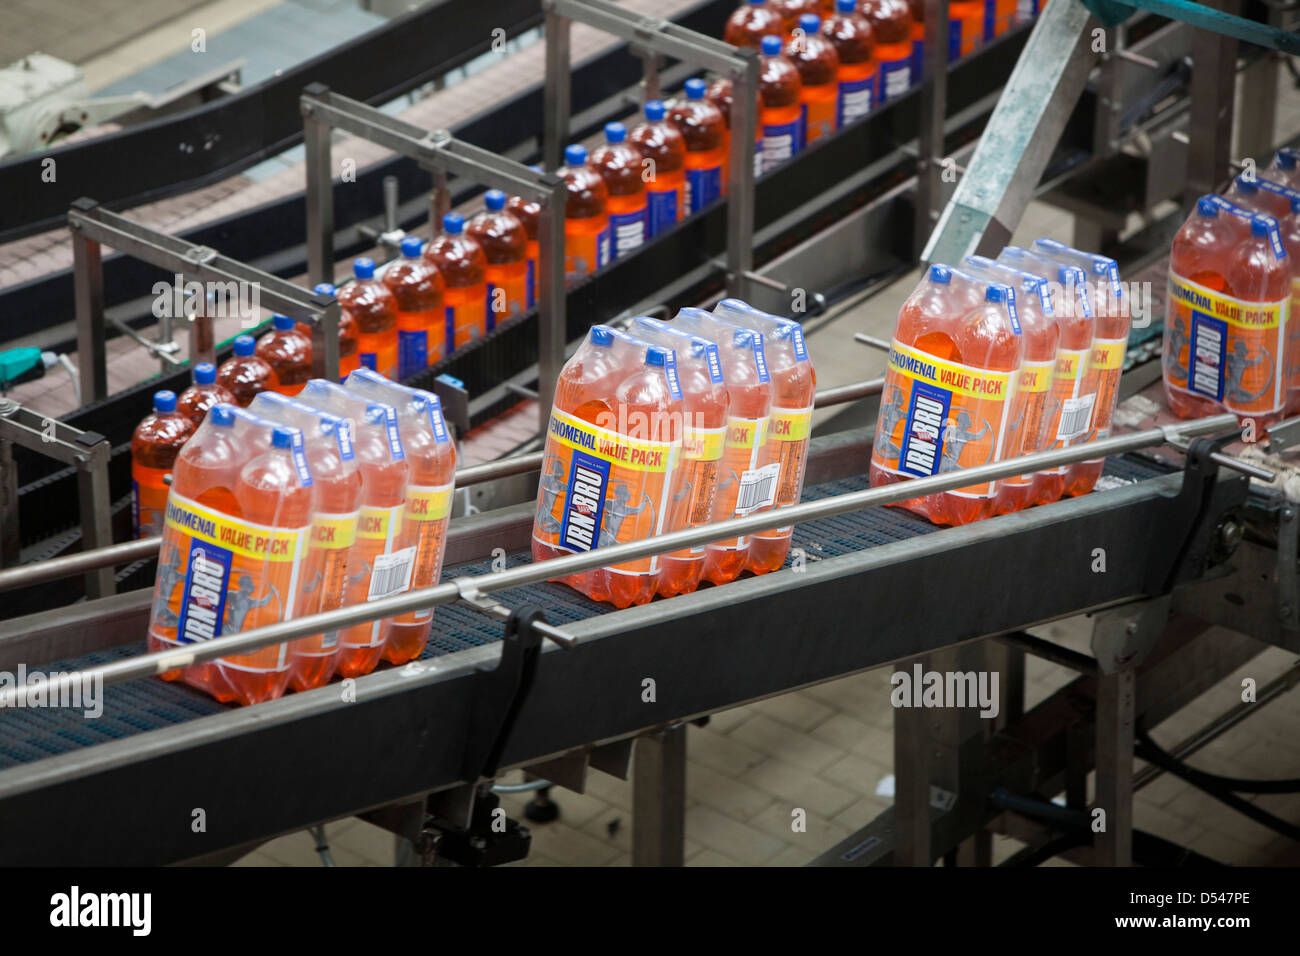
<point>605,248</point>
<point>1105,367</point>
<point>854,99</point>
<point>379,532</point>
<point>507,294</point>
<point>703,186</point>
<point>702,450</point>
<point>1029,408</point>
<point>780,142</point>
<point>938,417</point>
<point>600,487</point>
<point>464,323</point>
<point>368,360</point>
<point>662,209</point>
<point>437,422</point>
<point>218,575</point>
<point>819,118</point>
<point>895,78</point>
<point>990,19</point>
<point>715,363</point>
<point>787,439</point>
<point>629,231</point>
<point>427,508</point>
<point>585,252</point>
<point>148,507</point>
<point>412,352</point>
<point>760,358</point>
<point>325,572</point>
<point>744,452</point>
<point>1226,349</point>
<point>531,287</point>
<point>1067,403</point>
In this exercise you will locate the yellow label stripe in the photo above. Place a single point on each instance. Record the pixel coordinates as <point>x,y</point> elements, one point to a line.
<point>428,502</point>
<point>634,453</point>
<point>259,542</point>
<point>952,376</point>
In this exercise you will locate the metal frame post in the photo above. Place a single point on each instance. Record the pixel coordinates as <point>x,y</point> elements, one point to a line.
<point>320,191</point>
<point>557,98</point>
<point>934,105</point>
<point>88,279</point>
<point>10,527</point>
<point>1212,93</point>
<point>740,190</point>
<point>659,798</point>
<point>1115,715</point>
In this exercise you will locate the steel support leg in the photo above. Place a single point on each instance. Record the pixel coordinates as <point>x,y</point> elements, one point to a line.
<point>1214,74</point>
<point>740,190</point>
<point>930,141</point>
<point>10,536</point>
<point>1020,136</point>
<point>659,799</point>
<point>96,515</point>
<point>1115,709</point>
<point>556,102</point>
<point>320,196</point>
<point>88,278</point>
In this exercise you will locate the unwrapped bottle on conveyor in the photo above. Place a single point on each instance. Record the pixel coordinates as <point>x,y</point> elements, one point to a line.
<point>432,483</point>
<point>789,430</point>
<point>385,471</point>
<point>156,442</point>
<point>705,404</point>
<point>947,397</point>
<point>234,548</point>
<point>327,440</point>
<point>613,444</point>
<point>748,480</point>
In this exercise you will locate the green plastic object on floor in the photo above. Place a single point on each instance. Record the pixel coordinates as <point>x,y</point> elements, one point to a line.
<point>14,363</point>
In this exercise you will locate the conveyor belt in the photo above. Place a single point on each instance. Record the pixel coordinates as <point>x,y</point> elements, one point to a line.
<point>28,735</point>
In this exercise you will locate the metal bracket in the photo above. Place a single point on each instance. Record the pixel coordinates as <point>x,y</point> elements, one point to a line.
<point>470,594</point>
<point>1123,636</point>
<point>1288,592</point>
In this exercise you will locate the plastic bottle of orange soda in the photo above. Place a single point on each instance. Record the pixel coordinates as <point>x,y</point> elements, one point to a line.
<point>663,145</point>
<point>288,351</point>
<point>965,28</point>
<point>794,385</point>
<point>327,440</point>
<point>529,214</point>
<point>781,118</point>
<point>918,38</point>
<point>460,260</point>
<point>1234,320</point>
<point>855,44</point>
<point>746,470</point>
<point>705,404</point>
<point>752,21</point>
<point>818,64</point>
<point>377,443</point>
<point>156,442</point>
<point>418,564</point>
<point>567,518</point>
<point>1069,409</point>
<point>586,216</point>
<point>375,311</point>
<point>504,242</point>
<point>349,353</point>
<point>791,11</point>
<point>233,550</point>
<point>1034,386</point>
<point>417,288</point>
<point>891,25</point>
<point>947,394</point>
<point>704,129</point>
<point>245,374</point>
<point>619,164</point>
<point>195,401</point>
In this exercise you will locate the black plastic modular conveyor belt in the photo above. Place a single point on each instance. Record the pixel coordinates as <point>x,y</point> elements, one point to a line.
<point>31,734</point>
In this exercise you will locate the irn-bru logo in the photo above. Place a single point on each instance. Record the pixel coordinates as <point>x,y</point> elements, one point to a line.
<point>584,503</point>
<point>923,434</point>
<point>1209,348</point>
<point>715,365</point>
<point>204,603</point>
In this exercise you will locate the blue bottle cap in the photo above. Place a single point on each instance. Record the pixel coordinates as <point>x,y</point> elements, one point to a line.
<point>1205,207</point>
<point>1259,226</point>
<point>494,200</point>
<point>615,132</point>
<point>281,323</point>
<point>601,335</point>
<point>995,293</point>
<point>810,23</point>
<point>771,45</point>
<point>281,437</point>
<point>324,288</point>
<point>940,274</point>
<point>695,89</point>
<point>411,246</point>
<point>845,6</point>
<point>364,268</point>
<point>205,373</point>
<point>575,155</point>
<point>654,111</point>
<point>1246,186</point>
<point>222,415</point>
<point>657,356</point>
<point>245,346</point>
<point>757,3</point>
<point>453,224</point>
<point>164,401</point>
<point>1286,159</point>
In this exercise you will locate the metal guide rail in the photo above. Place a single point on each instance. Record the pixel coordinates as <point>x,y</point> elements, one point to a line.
<point>159,750</point>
